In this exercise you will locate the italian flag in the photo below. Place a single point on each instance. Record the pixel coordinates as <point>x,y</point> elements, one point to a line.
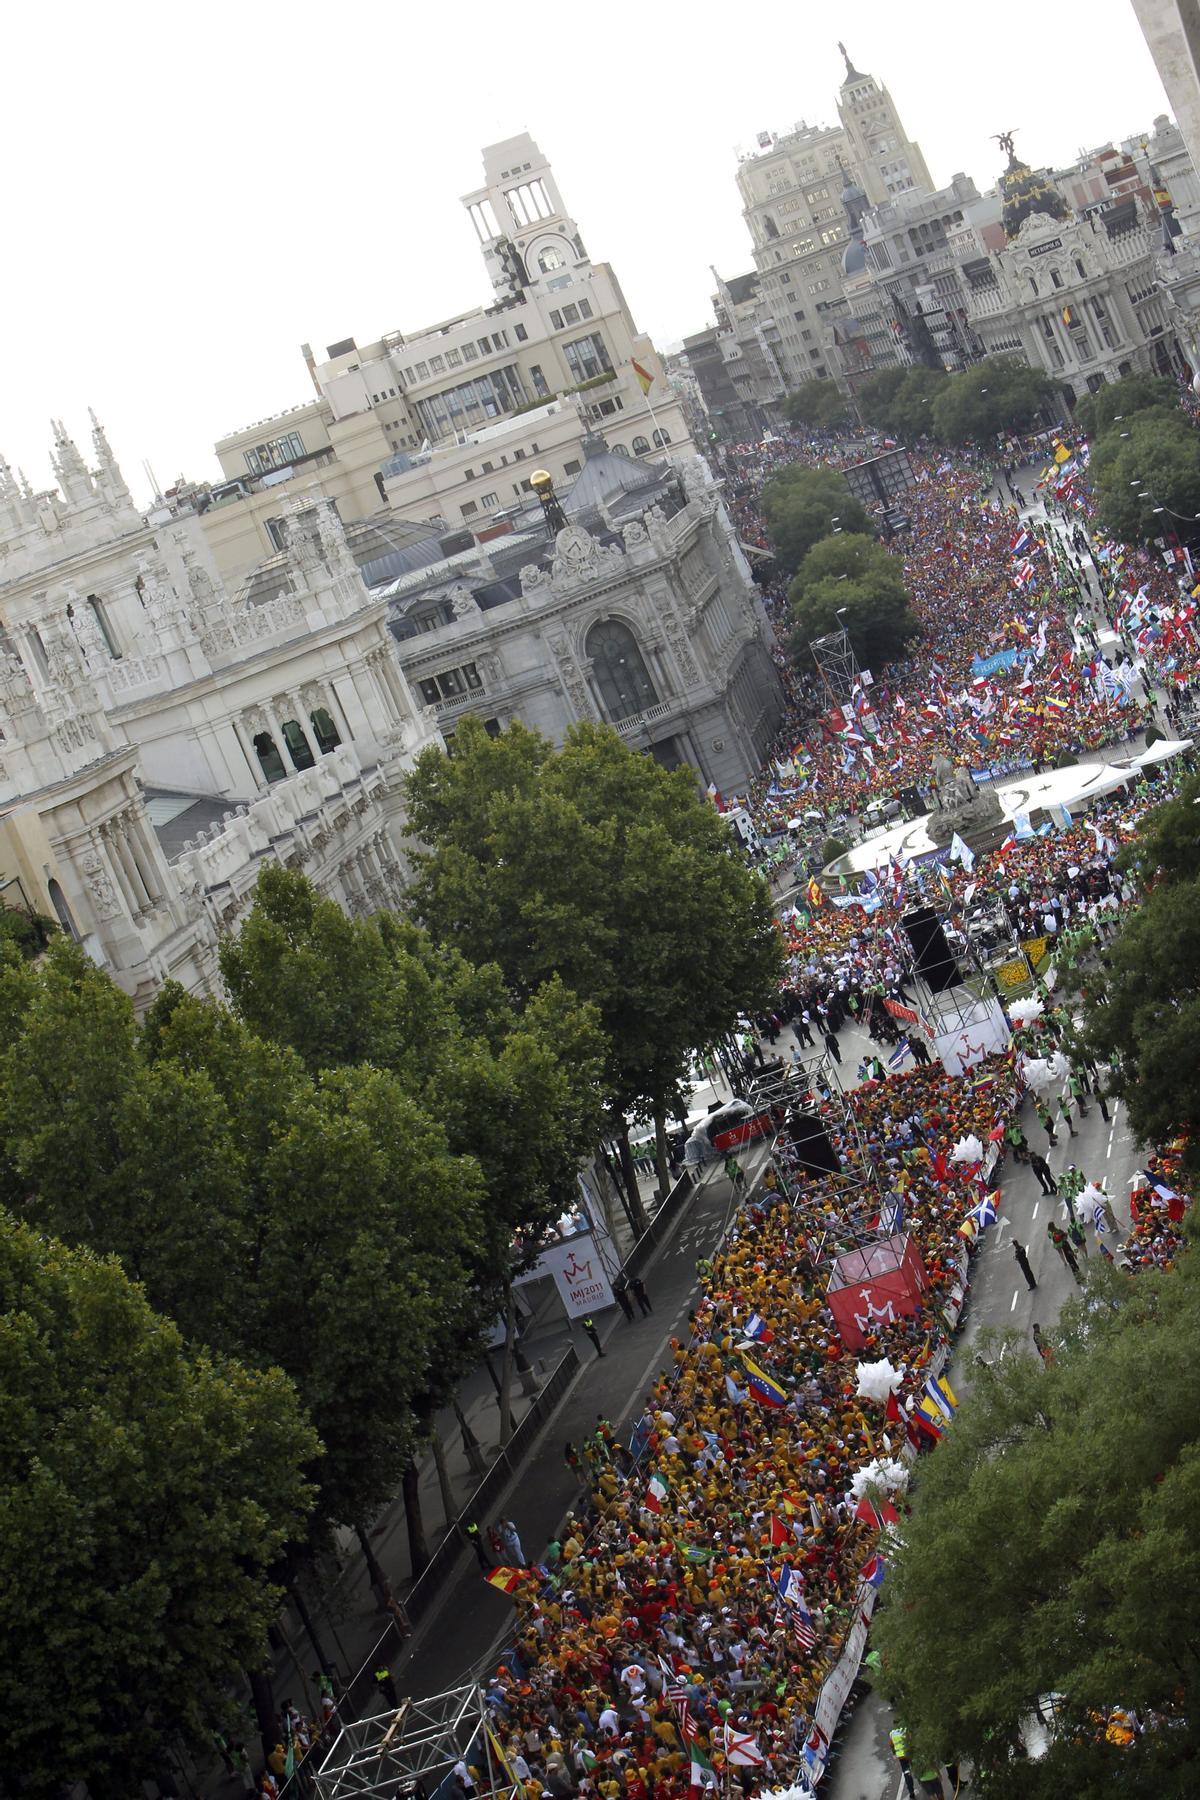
<point>703,1775</point>
<point>656,1493</point>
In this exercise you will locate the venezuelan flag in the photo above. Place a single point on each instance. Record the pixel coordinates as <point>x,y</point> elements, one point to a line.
<point>766,1391</point>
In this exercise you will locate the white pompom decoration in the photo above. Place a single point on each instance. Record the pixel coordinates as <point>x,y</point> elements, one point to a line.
<point>876,1380</point>
<point>883,1474</point>
<point>1021,1012</point>
<point>967,1150</point>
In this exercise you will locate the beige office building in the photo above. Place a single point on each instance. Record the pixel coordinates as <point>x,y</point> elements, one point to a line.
<point>435,423</point>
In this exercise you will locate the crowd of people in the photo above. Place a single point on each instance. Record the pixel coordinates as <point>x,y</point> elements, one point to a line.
<point>678,1633</point>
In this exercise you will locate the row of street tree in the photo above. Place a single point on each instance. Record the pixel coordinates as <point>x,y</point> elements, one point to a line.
<point>249,1249</point>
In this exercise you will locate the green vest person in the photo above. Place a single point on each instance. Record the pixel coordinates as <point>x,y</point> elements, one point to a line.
<point>589,1325</point>
<point>899,1742</point>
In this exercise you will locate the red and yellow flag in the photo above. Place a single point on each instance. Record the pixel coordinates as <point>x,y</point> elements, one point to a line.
<point>645,378</point>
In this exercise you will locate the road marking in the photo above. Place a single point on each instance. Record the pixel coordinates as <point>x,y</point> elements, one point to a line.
<point>1036,1204</point>
<point>1015,1298</point>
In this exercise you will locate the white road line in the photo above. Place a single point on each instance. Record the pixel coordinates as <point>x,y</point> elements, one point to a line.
<point>1015,1298</point>
<point>1036,1204</point>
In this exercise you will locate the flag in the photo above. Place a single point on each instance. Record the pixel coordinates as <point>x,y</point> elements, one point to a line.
<point>903,1049</point>
<point>779,1532</point>
<point>741,1749</point>
<point>1021,542</point>
<point>985,1213</point>
<point>816,893</point>
<point>876,1516</point>
<point>891,1215</point>
<point>702,1774</point>
<point>656,1493</point>
<point>937,1403</point>
<point>802,1626</point>
<point>961,853</point>
<point>499,1753</point>
<point>874,1570</point>
<point>696,1553</point>
<point>895,1415</point>
<point>757,1329</point>
<point>763,1389</point>
<point>645,378</point>
<point>507,1580</point>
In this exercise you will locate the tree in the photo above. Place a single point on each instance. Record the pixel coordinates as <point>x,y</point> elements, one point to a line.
<point>1148,1010</point>
<point>1157,465</point>
<point>323,1225</point>
<point>146,1491</point>
<point>595,863</point>
<point>516,1089</point>
<point>908,413</point>
<point>1118,401</point>
<point>818,403</point>
<point>1001,393</point>
<point>875,393</point>
<point>801,504</point>
<point>1051,1551</point>
<point>857,576</point>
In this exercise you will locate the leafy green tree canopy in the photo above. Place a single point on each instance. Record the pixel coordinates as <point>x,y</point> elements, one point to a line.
<point>1001,393</point>
<point>901,401</point>
<point>818,403</point>
<point>1146,1003</point>
<point>801,504</point>
<point>145,1492</point>
<point>595,863</point>
<point>858,575</point>
<point>1117,402</point>
<point>1151,460</point>
<point>1051,1550</point>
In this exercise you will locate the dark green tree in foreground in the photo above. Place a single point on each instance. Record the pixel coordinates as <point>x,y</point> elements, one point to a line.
<point>858,575</point>
<point>595,864</point>
<point>900,401</point>
<point>802,505</point>
<point>145,1493</point>
<point>1114,405</point>
<point>1146,1006</point>
<point>1001,393</point>
<point>1052,1550</point>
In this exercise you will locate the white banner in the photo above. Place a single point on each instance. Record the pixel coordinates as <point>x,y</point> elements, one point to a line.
<point>837,1684</point>
<point>985,1030</point>
<point>579,1274</point>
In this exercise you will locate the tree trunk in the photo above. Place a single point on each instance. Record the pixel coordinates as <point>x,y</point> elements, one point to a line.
<point>418,1548</point>
<point>443,1475</point>
<point>375,1572</point>
<point>506,1367</point>
<point>310,1630</point>
<point>637,1217</point>
<point>618,1181</point>
<point>660,1149</point>
<point>264,1709</point>
<point>471,1443</point>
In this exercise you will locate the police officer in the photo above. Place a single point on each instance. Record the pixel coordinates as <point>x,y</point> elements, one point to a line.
<point>474,1537</point>
<point>589,1325</point>
<point>899,1742</point>
<point>385,1686</point>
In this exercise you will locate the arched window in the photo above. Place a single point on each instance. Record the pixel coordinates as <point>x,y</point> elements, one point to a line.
<point>325,731</point>
<point>299,748</point>
<point>1056,278</point>
<point>549,259</point>
<point>1079,268</point>
<point>268,756</point>
<point>661,439</point>
<point>641,446</point>
<point>621,672</point>
<point>1032,285</point>
<point>619,449</point>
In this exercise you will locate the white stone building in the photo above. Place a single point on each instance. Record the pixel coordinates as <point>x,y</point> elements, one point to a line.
<point>412,417</point>
<point>160,738</point>
<point>640,612</point>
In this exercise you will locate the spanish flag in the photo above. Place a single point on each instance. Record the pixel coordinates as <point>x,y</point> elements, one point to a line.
<point>816,893</point>
<point>645,378</point>
<point>507,1580</point>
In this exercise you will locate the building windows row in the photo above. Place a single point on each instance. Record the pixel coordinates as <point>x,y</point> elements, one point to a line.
<point>276,454</point>
<point>299,746</point>
<point>451,684</point>
<point>486,397</point>
<point>571,314</point>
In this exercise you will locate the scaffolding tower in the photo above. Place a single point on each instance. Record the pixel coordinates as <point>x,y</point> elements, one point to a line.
<point>409,1750</point>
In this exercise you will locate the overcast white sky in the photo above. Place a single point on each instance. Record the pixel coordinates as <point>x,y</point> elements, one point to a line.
<point>193,192</point>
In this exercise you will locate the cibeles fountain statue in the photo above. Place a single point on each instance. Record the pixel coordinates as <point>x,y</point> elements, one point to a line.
<point>961,805</point>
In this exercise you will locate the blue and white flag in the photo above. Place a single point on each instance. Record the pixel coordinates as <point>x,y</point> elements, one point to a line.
<point>903,1049</point>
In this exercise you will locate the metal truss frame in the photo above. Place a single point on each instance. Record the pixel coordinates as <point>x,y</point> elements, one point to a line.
<point>377,1756</point>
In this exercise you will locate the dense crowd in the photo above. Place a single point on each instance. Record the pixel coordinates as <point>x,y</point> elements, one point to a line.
<point>678,1634</point>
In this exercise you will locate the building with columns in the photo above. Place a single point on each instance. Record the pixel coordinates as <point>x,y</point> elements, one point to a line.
<point>638,610</point>
<point>435,422</point>
<point>161,737</point>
